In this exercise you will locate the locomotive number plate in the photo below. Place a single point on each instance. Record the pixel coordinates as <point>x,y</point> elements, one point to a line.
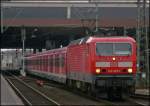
<point>114,71</point>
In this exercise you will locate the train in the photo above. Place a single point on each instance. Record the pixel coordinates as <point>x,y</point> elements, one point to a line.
<point>11,60</point>
<point>92,64</point>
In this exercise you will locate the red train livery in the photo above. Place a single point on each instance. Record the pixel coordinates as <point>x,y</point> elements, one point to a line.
<point>92,64</point>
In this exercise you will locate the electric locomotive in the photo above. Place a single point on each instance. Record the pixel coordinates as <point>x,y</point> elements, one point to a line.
<point>99,64</point>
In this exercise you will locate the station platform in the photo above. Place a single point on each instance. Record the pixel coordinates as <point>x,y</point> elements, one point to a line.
<point>8,96</point>
<point>142,91</point>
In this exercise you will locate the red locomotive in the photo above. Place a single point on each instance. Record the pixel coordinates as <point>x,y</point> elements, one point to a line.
<point>92,64</point>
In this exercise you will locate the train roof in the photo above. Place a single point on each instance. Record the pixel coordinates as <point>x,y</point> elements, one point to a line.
<point>86,40</point>
<point>48,51</point>
<point>89,39</point>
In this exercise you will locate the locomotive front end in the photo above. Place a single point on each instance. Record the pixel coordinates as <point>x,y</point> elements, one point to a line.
<point>115,65</point>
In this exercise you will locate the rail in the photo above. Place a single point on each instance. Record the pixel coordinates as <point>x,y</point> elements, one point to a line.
<point>28,94</point>
<point>141,96</point>
<point>125,101</point>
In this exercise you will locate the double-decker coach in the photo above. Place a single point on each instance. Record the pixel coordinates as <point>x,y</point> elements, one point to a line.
<point>92,64</point>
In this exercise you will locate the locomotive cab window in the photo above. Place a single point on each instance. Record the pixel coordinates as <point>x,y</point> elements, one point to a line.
<point>109,49</point>
<point>122,49</point>
<point>104,49</point>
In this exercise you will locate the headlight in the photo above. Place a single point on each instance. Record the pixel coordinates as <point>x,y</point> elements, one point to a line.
<point>98,70</point>
<point>130,70</point>
<point>113,58</point>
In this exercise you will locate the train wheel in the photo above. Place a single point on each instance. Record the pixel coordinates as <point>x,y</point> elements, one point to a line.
<point>131,90</point>
<point>114,93</point>
<point>110,95</point>
<point>89,89</point>
<point>120,96</point>
<point>78,84</point>
<point>83,87</point>
<point>69,83</point>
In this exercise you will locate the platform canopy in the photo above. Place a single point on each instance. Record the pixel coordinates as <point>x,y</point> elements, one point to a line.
<point>63,19</point>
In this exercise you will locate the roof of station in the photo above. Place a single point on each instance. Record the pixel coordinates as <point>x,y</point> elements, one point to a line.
<point>70,12</point>
<point>62,20</point>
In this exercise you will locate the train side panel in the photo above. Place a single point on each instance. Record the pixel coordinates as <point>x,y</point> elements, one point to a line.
<point>50,65</point>
<point>79,64</point>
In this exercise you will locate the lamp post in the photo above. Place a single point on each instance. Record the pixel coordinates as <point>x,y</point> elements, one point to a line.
<point>23,36</point>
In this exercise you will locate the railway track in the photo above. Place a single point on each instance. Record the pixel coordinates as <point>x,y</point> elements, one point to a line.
<point>28,94</point>
<point>140,96</point>
<point>55,92</point>
<point>29,80</point>
<point>140,99</point>
<point>125,101</point>
<point>75,91</point>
